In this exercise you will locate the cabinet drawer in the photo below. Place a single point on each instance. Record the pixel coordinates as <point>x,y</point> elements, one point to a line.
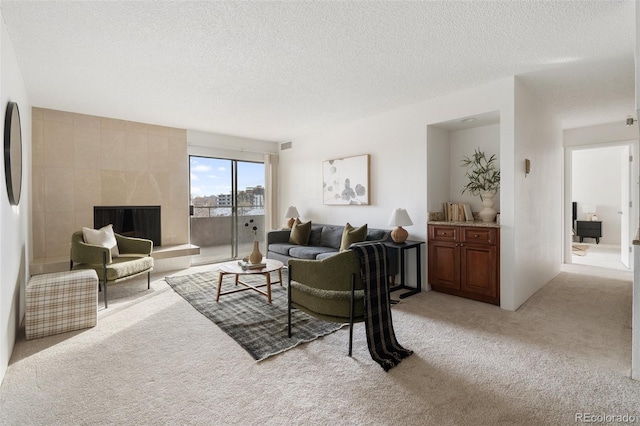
<point>589,226</point>
<point>442,233</point>
<point>588,229</point>
<point>479,235</point>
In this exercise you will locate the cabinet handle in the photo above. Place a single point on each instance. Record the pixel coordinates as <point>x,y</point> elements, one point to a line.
<point>461,245</point>
<point>475,235</point>
<point>444,233</point>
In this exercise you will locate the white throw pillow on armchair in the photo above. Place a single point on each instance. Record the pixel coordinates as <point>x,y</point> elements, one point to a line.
<point>103,237</point>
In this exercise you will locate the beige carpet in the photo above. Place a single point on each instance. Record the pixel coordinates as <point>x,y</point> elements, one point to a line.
<point>153,359</point>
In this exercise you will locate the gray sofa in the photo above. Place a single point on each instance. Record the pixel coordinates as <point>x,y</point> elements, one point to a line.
<point>324,241</point>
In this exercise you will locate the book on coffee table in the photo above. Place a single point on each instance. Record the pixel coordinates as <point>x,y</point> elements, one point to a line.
<point>247,265</point>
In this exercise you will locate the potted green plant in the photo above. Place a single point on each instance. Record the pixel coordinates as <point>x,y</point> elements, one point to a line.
<point>483,179</point>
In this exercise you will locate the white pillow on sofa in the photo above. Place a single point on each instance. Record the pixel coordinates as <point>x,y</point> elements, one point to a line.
<point>103,237</point>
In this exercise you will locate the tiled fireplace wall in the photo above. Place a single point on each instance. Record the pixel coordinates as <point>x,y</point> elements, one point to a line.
<point>81,161</point>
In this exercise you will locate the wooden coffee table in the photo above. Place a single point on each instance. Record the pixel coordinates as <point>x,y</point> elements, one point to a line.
<point>232,268</point>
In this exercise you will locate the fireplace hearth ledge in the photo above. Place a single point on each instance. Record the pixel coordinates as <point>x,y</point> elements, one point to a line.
<point>167,252</point>
<point>61,264</point>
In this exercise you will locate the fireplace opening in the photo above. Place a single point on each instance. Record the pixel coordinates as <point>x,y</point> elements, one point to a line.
<point>130,221</point>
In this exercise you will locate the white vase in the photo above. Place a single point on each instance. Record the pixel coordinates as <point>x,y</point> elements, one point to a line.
<point>488,213</point>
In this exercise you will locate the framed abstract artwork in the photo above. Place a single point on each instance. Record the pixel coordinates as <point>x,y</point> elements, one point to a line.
<point>345,181</point>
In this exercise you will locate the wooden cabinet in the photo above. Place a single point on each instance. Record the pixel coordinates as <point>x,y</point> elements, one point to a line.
<point>465,261</point>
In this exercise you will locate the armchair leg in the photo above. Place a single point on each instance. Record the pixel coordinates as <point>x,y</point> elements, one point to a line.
<point>148,280</point>
<point>289,304</point>
<point>105,292</point>
<point>353,285</point>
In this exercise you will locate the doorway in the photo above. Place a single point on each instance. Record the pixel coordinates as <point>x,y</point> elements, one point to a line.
<point>227,207</point>
<point>602,208</point>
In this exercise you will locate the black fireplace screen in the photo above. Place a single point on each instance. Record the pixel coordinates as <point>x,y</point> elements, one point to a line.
<point>130,221</point>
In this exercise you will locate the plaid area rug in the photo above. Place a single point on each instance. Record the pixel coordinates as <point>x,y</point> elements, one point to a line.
<point>260,328</point>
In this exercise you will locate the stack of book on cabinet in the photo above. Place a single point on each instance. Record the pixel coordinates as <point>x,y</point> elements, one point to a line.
<point>457,212</point>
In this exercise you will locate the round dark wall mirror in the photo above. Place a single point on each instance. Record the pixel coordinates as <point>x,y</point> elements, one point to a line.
<point>13,153</point>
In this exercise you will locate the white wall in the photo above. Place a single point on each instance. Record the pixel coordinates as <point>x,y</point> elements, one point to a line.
<point>438,164</point>
<point>225,146</point>
<point>15,247</point>
<point>599,134</point>
<point>538,196</point>
<point>397,143</point>
<point>635,351</point>
<point>401,175</point>
<point>595,178</point>
<point>397,177</point>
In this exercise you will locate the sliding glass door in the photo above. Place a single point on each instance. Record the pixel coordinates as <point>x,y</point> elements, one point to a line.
<point>227,203</point>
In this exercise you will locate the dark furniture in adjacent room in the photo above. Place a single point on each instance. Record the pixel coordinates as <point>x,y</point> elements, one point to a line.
<point>589,229</point>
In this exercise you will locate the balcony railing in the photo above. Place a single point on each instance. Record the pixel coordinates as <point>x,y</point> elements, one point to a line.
<point>216,232</point>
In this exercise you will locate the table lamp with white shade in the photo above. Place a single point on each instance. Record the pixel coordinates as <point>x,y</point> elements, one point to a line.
<point>292,214</point>
<point>399,218</point>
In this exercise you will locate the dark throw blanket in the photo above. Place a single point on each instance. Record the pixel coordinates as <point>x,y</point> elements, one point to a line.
<point>383,346</point>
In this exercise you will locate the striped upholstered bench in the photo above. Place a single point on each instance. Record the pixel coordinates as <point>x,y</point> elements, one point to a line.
<point>61,302</point>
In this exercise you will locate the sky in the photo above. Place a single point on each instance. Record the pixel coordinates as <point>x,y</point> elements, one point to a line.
<point>212,176</point>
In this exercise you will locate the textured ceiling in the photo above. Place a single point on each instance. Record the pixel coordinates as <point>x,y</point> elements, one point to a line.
<point>280,70</point>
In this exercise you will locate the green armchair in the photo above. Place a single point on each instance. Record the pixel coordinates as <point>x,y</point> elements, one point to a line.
<point>329,289</point>
<point>134,259</point>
